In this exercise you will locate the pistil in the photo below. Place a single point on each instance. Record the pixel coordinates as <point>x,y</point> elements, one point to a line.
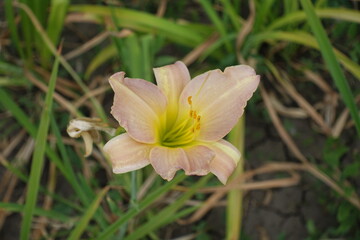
<point>184,132</point>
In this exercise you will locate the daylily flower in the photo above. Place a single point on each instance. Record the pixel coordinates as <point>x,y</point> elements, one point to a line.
<point>180,123</point>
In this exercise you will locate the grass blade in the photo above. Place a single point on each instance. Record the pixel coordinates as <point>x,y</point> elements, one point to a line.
<point>82,224</point>
<point>111,230</point>
<point>14,207</point>
<point>208,8</point>
<point>55,25</point>
<point>335,13</point>
<point>38,157</point>
<point>145,22</point>
<point>167,213</point>
<point>230,10</point>
<point>306,39</point>
<point>262,14</point>
<point>64,63</point>
<point>9,13</point>
<point>27,34</point>
<point>331,61</point>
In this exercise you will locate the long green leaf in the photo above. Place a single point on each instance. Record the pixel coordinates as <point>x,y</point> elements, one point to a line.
<point>14,207</point>
<point>111,230</point>
<point>82,224</point>
<point>24,178</point>
<point>27,31</point>
<point>9,13</point>
<point>230,10</point>
<point>105,54</point>
<point>331,61</point>
<point>209,9</point>
<point>144,22</point>
<point>64,63</point>
<point>25,122</point>
<point>67,165</point>
<point>334,13</point>
<point>262,14</point>
<point>54,26</point>
<point>167,213</point>
<point>305,39</point>
<point>38,157</point>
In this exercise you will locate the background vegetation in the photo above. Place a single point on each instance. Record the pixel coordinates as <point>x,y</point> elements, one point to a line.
<point>56,56</point>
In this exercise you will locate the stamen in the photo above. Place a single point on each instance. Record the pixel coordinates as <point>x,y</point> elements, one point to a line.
<point>189,99</point>
<point>185,131</point>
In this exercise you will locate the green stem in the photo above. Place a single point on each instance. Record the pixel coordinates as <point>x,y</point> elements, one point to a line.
<point>234,199</point>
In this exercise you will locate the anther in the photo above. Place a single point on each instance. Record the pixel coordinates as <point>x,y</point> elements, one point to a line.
<point>194,115</point>
<point>189,99</point>
<point>198,118</point>
<point>191,113</point>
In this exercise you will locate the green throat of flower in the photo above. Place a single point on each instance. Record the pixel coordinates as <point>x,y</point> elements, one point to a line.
<point>183,132</point>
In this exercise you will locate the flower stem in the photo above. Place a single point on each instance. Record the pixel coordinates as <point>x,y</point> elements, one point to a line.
<point>234,199</point>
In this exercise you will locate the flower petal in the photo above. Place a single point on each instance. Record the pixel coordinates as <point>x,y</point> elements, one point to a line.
<point>199,158</point>
<point>194,160</point>
<point>138,107</point>
<point>126,154</point>
<point>171,80</point>
<point>225,161</point>
<point>219,98</point>
<point>166,161</point>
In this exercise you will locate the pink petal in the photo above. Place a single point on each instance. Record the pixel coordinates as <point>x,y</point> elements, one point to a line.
<point>225,161</point>
<point>126,154</point>
<point>171,80</point>
<point>194,160</point>
<point>138,106</point>
<point>166,161</point>
<point>219,98</point>
<point>199,158</point>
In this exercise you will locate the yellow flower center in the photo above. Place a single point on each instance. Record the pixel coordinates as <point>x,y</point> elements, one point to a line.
<point>184,131</point>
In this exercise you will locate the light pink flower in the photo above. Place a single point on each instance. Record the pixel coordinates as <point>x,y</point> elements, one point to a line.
<point>180,123</point>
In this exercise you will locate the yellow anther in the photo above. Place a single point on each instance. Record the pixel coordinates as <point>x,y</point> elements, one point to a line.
<point>198,118</point>
<point>191,113</point>
<point>198,126</point>
<point>189,99</point>
<point>194,115</point>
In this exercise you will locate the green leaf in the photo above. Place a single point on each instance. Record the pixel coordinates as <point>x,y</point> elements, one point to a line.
<point>333,151</point>
<point>45,38</point>
<point>335,13</point>
<point>310,226</point>
<point>332,62</point>
<point>55,25</point>
<point>351,170</point>
<point>103,56</point>
<point>343,212</point>
<point>144,22</point>
<point>209,9</point>
<point>305,39</point>
<point>10,18</point>
<point>82,224</point>
<point>163,217</point>
<point>113,228</point>
<point>38,157</point>
<point>14,207</point>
